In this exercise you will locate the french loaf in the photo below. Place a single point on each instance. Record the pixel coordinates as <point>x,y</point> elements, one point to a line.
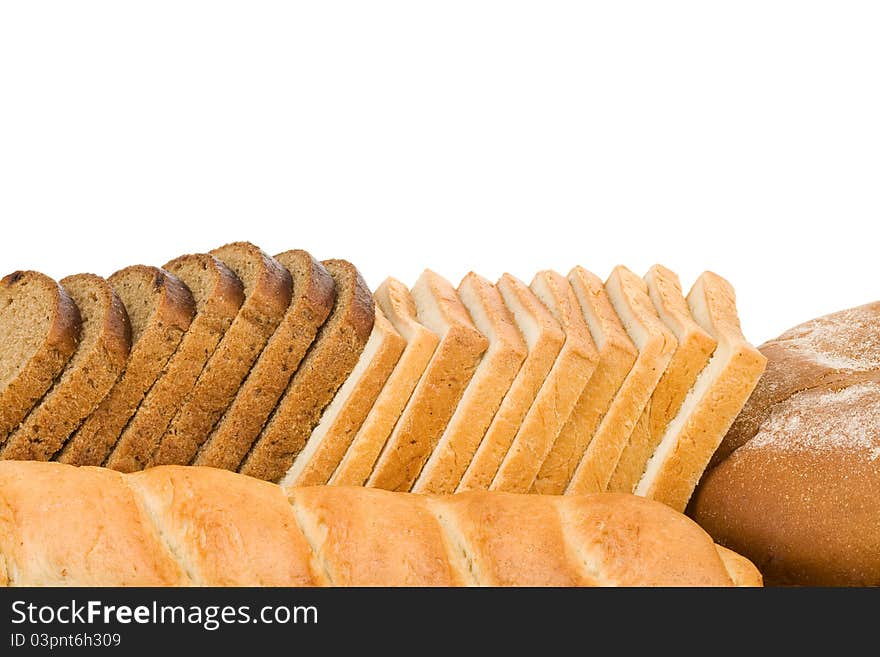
<point>183,525</point>
<point>105,341</point>
<point>160,308</point>
<point>40,325</point>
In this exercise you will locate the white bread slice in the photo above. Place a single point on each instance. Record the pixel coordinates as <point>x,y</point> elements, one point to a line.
<point>561,390</point>
<point>333,435</point>
<point>617,355</point>
<point>711,406</point>
<point>695,347</point>
<point>544,338</point>
<point>656,344</point>
<point>440,389</point>
<point>482,398</point>
<point>394,299</point>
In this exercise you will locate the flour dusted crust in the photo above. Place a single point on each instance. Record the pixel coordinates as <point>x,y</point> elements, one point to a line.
<point>41,326</point>
<point>104,345</point>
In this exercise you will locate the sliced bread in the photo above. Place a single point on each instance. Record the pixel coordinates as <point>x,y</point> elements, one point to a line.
<point>656,344</point>
<point>218,295</point>
<point>562,388</point>
<point>440,389</point>
<point>267,291</point>
<point>617,355</point>
<point>482,398</point>
<point>327,365</point>
<point>40,325</point>
<point>713,403</point>
<point>695,347</point>
<point>313,296</point>
<point>333,435</point>
<point>103,349</point>
<point>395,301</point>
<point>160,309</point>
<point>544,339</point>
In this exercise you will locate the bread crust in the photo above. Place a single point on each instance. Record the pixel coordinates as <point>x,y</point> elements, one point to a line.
<point>172,310</point>
<point>325,368</point>
<point>314,294</point>
<point>89,375</point>
<point>33,378</point>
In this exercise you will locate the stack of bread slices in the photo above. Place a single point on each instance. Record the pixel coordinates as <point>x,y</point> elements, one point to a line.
<point>290,370</point>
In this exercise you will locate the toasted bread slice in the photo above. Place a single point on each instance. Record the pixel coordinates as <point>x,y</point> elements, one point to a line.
<point>617,354</point>
<point>267,292</point>
<point>656,344</point>
<point>314,294</point>
<point>544,338</point>
<point>160,308</point>
<point>440,389</point>
<point>104,344</point>
<point>40,325</point>
<point>562,388</point>
<point>327,365</point>
<point>335,432</point>
<point>485,392</point>
<point>218,295</point>
<point>713,403</point>
<point>397,304</point>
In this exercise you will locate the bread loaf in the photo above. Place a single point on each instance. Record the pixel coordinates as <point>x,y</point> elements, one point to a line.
<point>179,525</point>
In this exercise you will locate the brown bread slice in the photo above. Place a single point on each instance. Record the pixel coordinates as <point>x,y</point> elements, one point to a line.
<point>617,354</point>
<point>544,338</point>
<point>485,392</point>
<point>562,388</point>
<point>325,368</point>
<point>160,309</point>
<point>313,296</point>
<point>656,344</point>
<point>333,435</point>
<point>40,326</point>
<point>267,292</point>
<point>397,304</point>
<point>695,347</point>
<point>103,349</point>
<point>440,389</point>
<point>218,295</point>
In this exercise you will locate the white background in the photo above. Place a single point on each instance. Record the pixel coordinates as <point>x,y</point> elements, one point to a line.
<point>742,137</point>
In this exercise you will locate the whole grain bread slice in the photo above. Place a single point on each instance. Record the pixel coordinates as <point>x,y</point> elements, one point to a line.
<point>218,295</point>
<point>617,355</point>
<point>397,304</point>
<point>160,309</point>
<point>333,435</point>
<point>482,398</point>
<point>105,341</point>
<point>545,339</point>
<point>267,292</point>
<point>656,344</point>
<point>40,326</point>
<point>314,293</point>
<point>561,390</point>
<point>695,347</point>
<point>325,368</point>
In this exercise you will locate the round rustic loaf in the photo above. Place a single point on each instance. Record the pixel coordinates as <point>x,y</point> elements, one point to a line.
<point>796,483</point>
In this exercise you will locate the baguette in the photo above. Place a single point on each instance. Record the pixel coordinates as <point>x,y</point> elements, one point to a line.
<point>181,525</point>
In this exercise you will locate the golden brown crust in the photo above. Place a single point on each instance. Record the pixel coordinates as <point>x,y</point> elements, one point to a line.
<point>394,299</point>
<point>617,355</point>
<point>438,392</point>
<point>741,570</point>
<point>314,294</point>
<point>90,374</point>
<point>170,308</point>
<point>216,305</point>
<point>326,366</point>
<point>267,286</point>
<point>58,339</point>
